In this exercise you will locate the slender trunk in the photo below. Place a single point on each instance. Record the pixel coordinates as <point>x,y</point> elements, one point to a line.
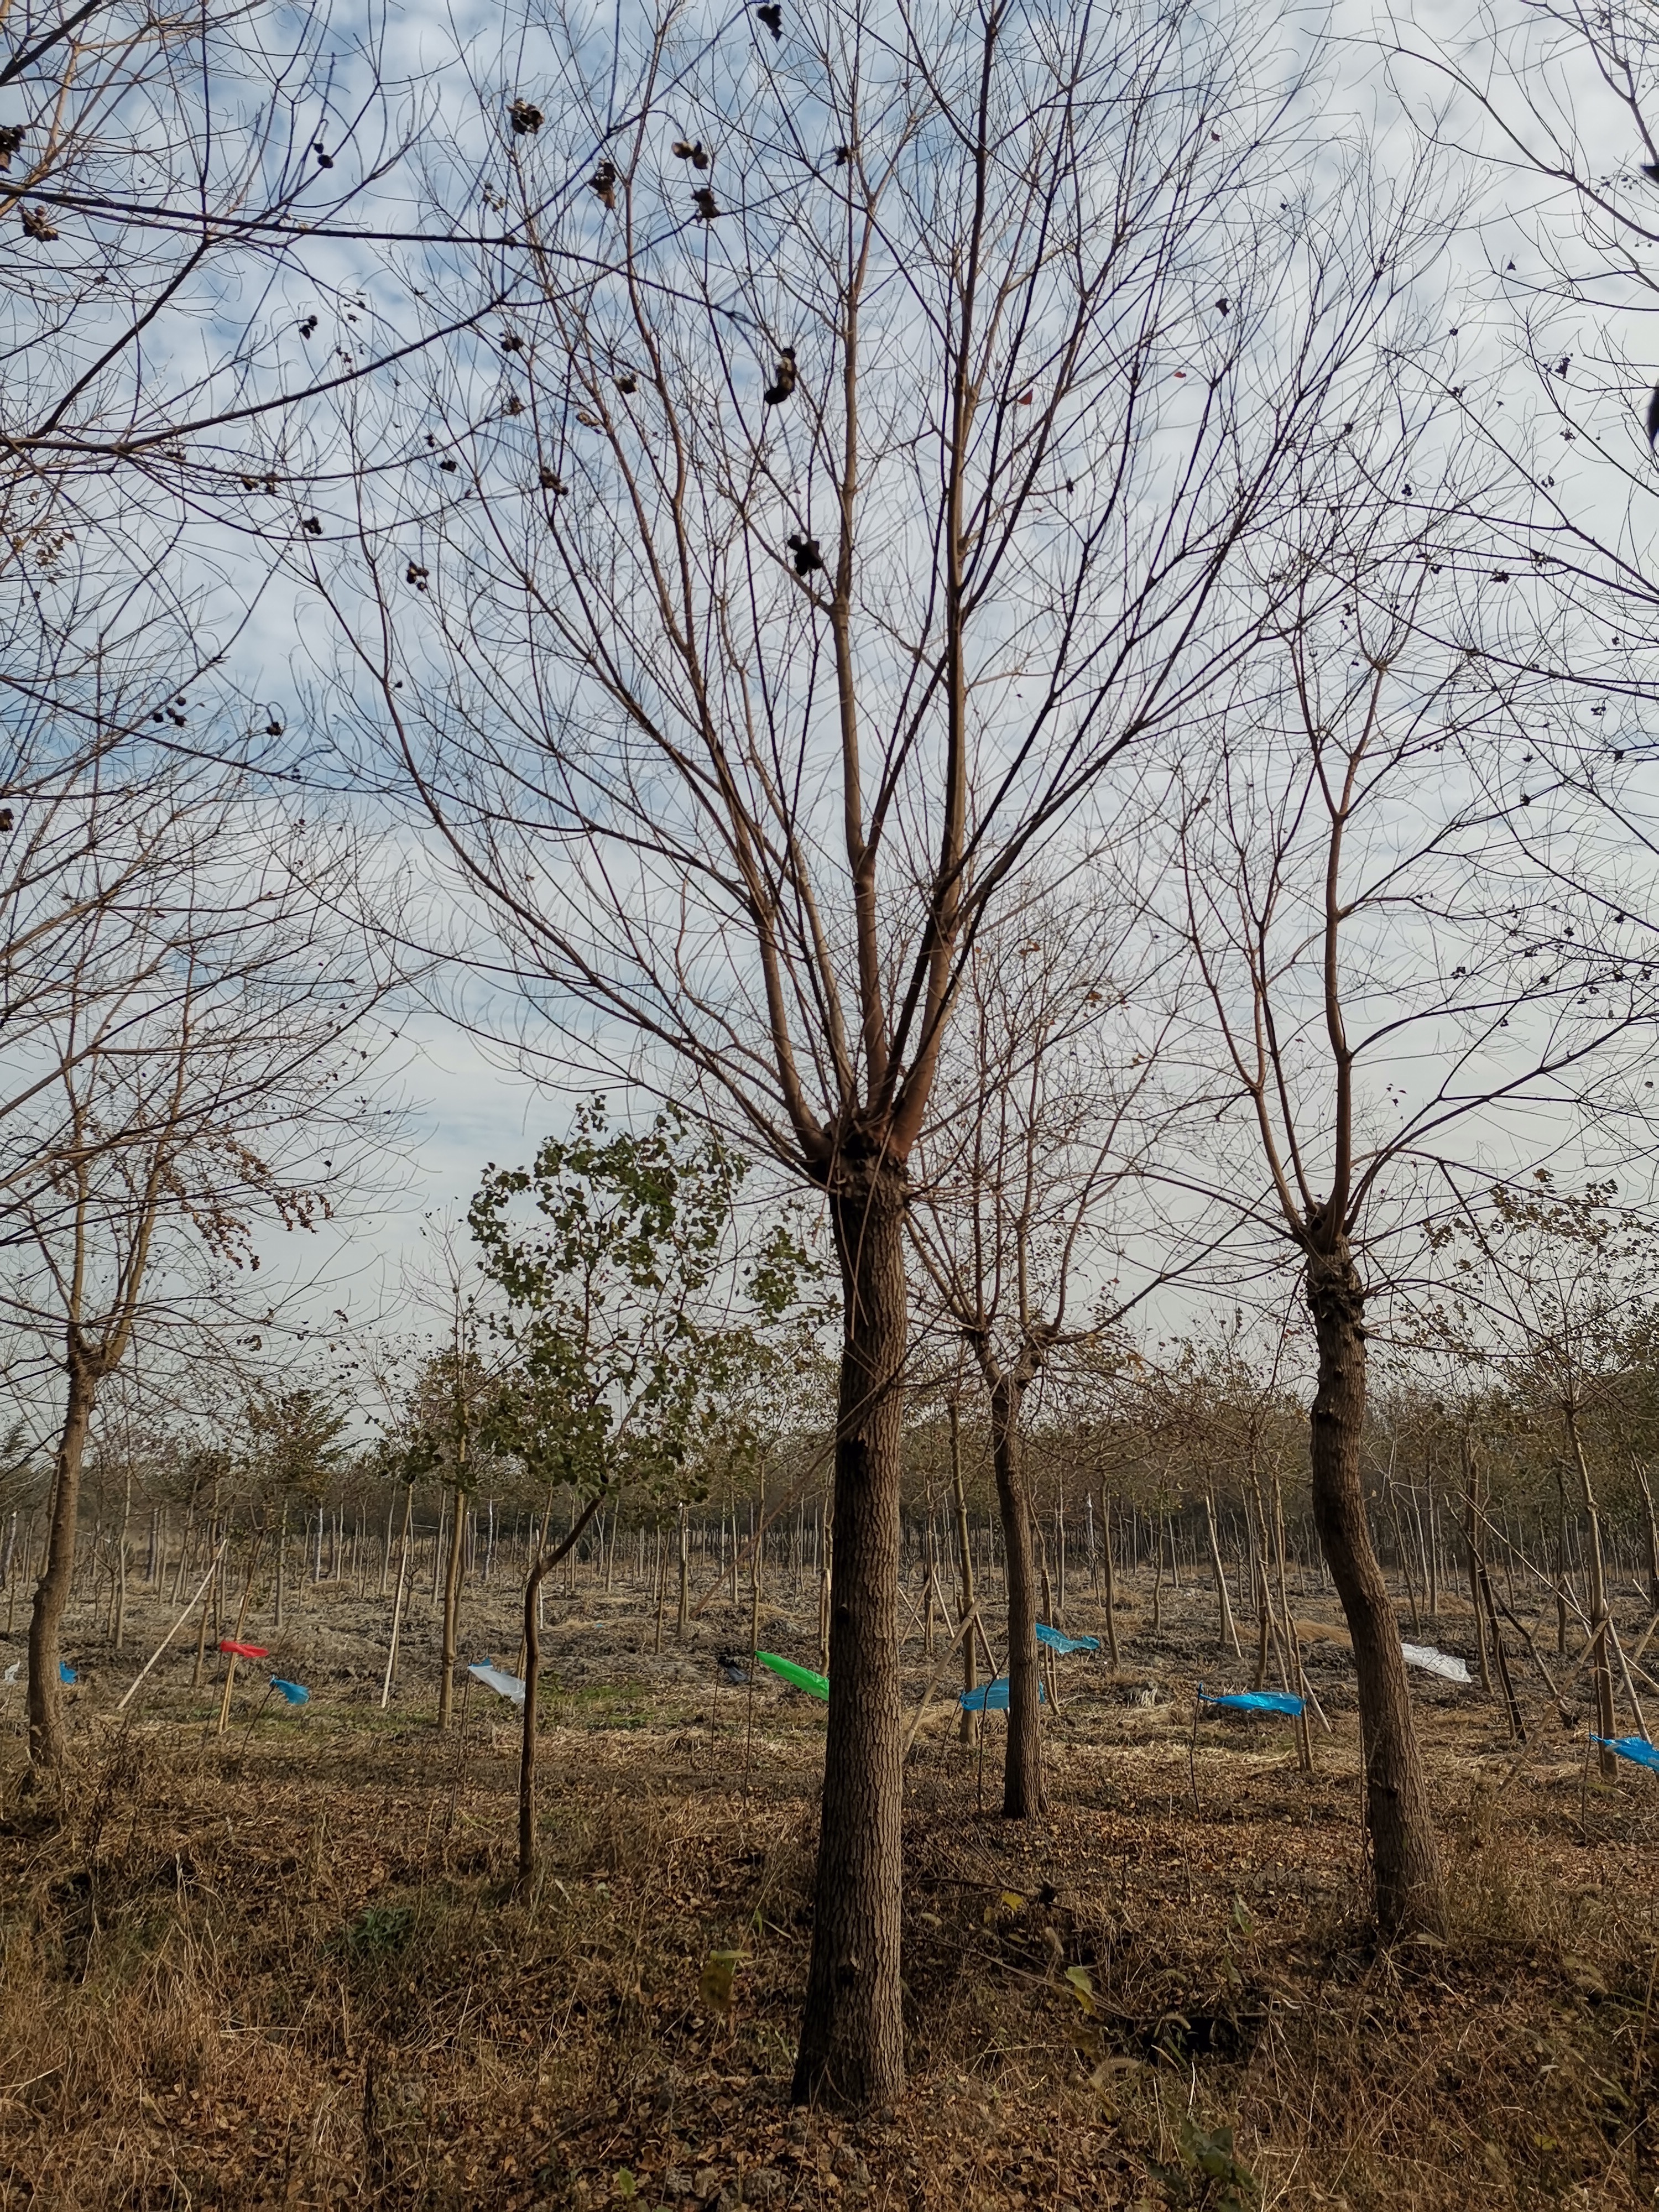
<point>45,1651</point>
<point>1598,1597</point>
<point>1653,1542</point>
<point>532,1675</point>
<point>683,1622</point>
<point>1471,1540</point>
<point>452,1608</point>
<point>1111,1579</point>
<point>1405,1858</point>
<point>852,2038</point>
<point>398,1602</point>
<point>826,1577</point>
<point>541,1567</point>
<point>119,1631</point>
<point>969,1723</point>
<point>385,1549</point>
<point>1228,1631</point>
<point>1022,1768</point>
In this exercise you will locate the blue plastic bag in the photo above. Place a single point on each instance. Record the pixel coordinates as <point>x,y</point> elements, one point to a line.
<point>1636,1748</point>
<point>991,1697</point>
<point>1254,1701</point>
<point>1057,1640</point>
<point>66,1673</point>
<point>295,1692</point>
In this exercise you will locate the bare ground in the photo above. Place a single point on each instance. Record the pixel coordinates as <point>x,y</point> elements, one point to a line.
<point>285,1966</point>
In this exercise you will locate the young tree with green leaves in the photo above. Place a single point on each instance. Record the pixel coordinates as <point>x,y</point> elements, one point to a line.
<point>631,1321</point>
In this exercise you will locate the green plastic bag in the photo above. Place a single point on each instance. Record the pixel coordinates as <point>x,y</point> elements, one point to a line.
<point>803,1677</point>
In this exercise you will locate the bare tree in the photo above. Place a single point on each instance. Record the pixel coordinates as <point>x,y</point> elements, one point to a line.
<point>1043,1114</point>
<point>194,1060</point>
<point>1400,981</point>
<point>820,563</point>
<point>1546,1288</point>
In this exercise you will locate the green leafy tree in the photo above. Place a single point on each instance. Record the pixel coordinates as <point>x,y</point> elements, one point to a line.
<point>633,1326</point>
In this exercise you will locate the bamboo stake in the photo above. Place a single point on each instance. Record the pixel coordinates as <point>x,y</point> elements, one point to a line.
<point>201,1591</point>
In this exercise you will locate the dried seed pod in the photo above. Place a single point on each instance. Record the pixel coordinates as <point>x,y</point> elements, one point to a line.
<point>783,382</point>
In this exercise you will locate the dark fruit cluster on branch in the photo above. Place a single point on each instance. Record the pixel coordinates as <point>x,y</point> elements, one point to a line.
<point>12,139</point>
<point>703,200</point>
<point>772,15</point>
<point>806,554</point>
<point>783,382</point>
<point>692,150</point>
<point>604,182</point>
<point>36,225</point>
<point>525,118</point>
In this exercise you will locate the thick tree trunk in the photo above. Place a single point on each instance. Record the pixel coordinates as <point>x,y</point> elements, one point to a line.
<point>852,2038</point>
<point>1022,1767</point>
<point>46,1694</point>
<point>1405,1860</point>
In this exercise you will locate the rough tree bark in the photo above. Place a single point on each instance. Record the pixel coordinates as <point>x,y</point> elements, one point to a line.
<point>852,2046</point>
<point>1405,1860</point>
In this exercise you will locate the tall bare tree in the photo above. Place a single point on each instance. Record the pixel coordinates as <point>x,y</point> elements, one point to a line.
<point>1043,1114</point>
<point>1400,979</point>
<point>822,556</point>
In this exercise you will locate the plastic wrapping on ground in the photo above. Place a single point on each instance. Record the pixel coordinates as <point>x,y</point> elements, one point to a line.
<point>990,1697</point>
<point>1254,1701</point>
<point>1636,1748</point>
<point>800,1678</point>
<point>1436,1662</point>
<point>504,1685</point>
<point>1057,1640</point>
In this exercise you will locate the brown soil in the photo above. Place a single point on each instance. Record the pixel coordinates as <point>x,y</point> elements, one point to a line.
<point>284,1966</point>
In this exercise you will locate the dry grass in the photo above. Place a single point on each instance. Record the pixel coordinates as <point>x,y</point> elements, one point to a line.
<point>288,1969</point>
